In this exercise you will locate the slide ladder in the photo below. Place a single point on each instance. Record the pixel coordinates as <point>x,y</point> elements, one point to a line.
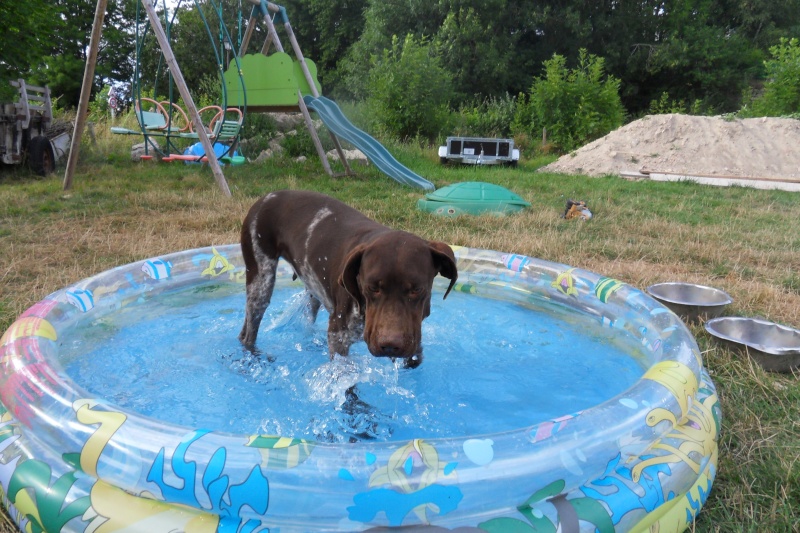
<point>335,120</point>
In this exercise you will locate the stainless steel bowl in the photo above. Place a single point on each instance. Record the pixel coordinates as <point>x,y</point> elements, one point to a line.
<point>690,301</point>
<point>774,346</point>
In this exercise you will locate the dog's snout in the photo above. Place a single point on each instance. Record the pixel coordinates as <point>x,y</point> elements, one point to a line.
<point>391,346</point>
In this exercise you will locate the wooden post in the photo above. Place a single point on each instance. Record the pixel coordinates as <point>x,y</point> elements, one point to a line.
<point>272,36</point>
<point>161,36</point>
<point>310,79</point>
<point>248,34</point>
<point>323,157</point>
<point>86,92</point>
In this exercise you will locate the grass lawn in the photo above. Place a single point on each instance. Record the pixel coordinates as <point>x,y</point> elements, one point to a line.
<point>742,240</point>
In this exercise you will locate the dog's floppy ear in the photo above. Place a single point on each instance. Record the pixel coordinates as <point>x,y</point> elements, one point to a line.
<point>445,261</point>
<point>349,277</point>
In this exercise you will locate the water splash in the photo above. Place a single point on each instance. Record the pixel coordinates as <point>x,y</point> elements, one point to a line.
<point>482,373</point>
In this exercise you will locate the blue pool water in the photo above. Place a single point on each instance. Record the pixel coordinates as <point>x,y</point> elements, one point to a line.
<point>489,366</point>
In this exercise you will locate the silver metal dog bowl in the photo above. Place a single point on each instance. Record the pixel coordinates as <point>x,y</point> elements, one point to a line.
<point>774,346</point>
<point>689,301</point>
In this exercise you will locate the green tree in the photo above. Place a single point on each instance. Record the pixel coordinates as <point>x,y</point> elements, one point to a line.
<point>705,50</point>
<point>700,59</point>
<point>762,22</point>
<point>409,90</point>
<point>575,106</point>
<point>781,94</point>
<point>384,21</point>
<point>61,63</point>
<point>23,40</point>
<point>625,34</point>
<point>483,44</point>
<point>488,46</point>
<point>326,29</point>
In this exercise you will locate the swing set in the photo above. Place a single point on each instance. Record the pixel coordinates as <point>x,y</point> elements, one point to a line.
<point>166,118</point>
<point>259,82</point>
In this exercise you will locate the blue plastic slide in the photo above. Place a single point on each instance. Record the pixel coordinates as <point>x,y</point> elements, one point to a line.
<point>335,120</point>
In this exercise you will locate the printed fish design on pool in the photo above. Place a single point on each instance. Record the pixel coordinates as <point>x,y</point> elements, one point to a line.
<point>157,268</point>
<point>409,487</point>
<point>83,299</point>
<point>565,283</point>
<point>281,452</point>
<point>606,287</point>
<point>218,264</point>
<point>515,262</point>
<point>569,513</point>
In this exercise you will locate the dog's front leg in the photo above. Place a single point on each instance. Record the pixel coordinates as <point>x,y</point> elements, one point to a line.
<point>259,293</point>
<point>339,342</point>
<point>344,327</point>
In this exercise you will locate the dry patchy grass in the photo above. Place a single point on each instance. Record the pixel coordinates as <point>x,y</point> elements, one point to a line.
<point>744,241</point>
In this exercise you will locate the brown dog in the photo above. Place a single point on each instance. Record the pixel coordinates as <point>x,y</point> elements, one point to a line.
<point>372,280</point>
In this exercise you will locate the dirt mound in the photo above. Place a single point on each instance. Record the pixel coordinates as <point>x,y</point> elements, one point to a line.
<point>694,146</point>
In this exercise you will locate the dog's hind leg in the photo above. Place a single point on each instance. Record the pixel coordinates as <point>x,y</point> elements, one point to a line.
<point>259,294</point>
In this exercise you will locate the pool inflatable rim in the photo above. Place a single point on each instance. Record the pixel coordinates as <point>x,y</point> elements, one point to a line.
<point>101,437</point>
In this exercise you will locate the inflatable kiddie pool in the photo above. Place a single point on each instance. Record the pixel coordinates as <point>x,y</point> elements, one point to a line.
<point>644,458</point>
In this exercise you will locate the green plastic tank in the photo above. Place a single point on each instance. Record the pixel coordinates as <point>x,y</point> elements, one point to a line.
<point>472,198</point>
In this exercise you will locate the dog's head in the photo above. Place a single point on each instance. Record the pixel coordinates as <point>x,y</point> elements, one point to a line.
<point>391,279</point>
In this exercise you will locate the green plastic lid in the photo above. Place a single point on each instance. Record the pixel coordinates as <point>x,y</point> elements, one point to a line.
<point>476,191</point>
<point>472,198</point>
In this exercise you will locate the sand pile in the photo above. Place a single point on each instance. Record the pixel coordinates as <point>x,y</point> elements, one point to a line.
<point>693,146</point>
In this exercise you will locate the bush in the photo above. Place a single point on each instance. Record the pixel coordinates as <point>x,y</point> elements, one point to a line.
<point>98,107</point>
<point>781,94</point>
<point>409,90</point>
<point>258,130</point>
<point>575,106</point>
<point>490,117</point>
<point>666,105</point>
<point>300,143</point>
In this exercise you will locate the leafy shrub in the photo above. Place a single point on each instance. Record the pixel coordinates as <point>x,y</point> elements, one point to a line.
<point>258,130</point>
<point>490,117</point>
<point>575,106</point>
<point>300,143</point>
<point>666,105</point>
<point>781,94</point>
<point>409,90</point>
<point>98,107</point>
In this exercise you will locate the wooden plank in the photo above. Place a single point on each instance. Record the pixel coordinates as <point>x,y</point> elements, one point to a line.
<point>721,176</point>
<point>29,87</point>
<point>791,186</point>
